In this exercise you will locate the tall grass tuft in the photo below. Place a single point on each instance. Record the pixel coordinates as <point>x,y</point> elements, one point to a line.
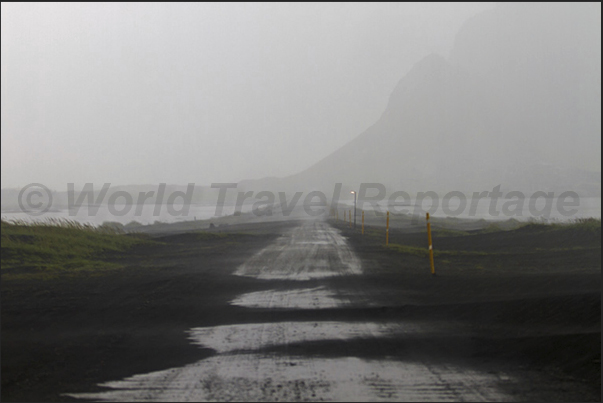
<point>58,246</point>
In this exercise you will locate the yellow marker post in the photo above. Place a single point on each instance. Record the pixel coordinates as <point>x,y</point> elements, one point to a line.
<point>430,244</point>
<point>387,230</point>
<point>362,222</point>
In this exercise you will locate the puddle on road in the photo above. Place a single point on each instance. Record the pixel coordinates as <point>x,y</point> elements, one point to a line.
<point>253,376</point>
<point>257,336</point>
<point>314,243</point>
<point>304,275</point>
<point>308,252</point>
<point>307,298</point>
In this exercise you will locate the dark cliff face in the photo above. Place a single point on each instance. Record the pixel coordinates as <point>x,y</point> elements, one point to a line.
<point>520,90</point>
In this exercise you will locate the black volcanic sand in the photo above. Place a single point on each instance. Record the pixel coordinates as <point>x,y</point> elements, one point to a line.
<point>529,302</point>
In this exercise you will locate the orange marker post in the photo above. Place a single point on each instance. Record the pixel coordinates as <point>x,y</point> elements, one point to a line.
<point>362,222</point>
<point>387,230</point>
<point>430,244</point>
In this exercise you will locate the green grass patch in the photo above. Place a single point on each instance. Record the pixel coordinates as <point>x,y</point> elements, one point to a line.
<point>60,247</point>
<point>424,252</point>
<point>446,232</point>
<point>590,224</point>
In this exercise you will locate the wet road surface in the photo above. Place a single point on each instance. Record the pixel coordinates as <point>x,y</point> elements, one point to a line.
<point>293,360</point>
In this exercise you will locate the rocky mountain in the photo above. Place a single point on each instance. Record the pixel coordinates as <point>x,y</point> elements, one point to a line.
<point>517,103</point>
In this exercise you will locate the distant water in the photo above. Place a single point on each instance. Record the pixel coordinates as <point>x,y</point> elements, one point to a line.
<point>147,214</point>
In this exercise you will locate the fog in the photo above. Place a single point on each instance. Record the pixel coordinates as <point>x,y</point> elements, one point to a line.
<point>416,96</point>
<point>178,93</point>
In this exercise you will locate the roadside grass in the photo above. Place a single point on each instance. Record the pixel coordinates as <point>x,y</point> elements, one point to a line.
<point>54,248</point>
<point>589,224</point>
<point>543,242</point>
<point>445,232</point>
<point>442,228</point>
<point>424,252</point>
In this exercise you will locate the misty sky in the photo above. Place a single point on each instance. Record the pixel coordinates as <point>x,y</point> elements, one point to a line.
<point>177,93</point>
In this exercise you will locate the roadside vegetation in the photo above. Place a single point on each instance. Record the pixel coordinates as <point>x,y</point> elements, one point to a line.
<point>424,252</point>
<point>590,227</point>
<point>589,224</point>
<point>537,245</point>
<point>55,248</point>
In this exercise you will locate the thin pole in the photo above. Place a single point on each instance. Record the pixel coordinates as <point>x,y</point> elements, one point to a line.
<point>354,210</point>
<point>387,230</point>
<point>362,222</point>
<point>430,244</point>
